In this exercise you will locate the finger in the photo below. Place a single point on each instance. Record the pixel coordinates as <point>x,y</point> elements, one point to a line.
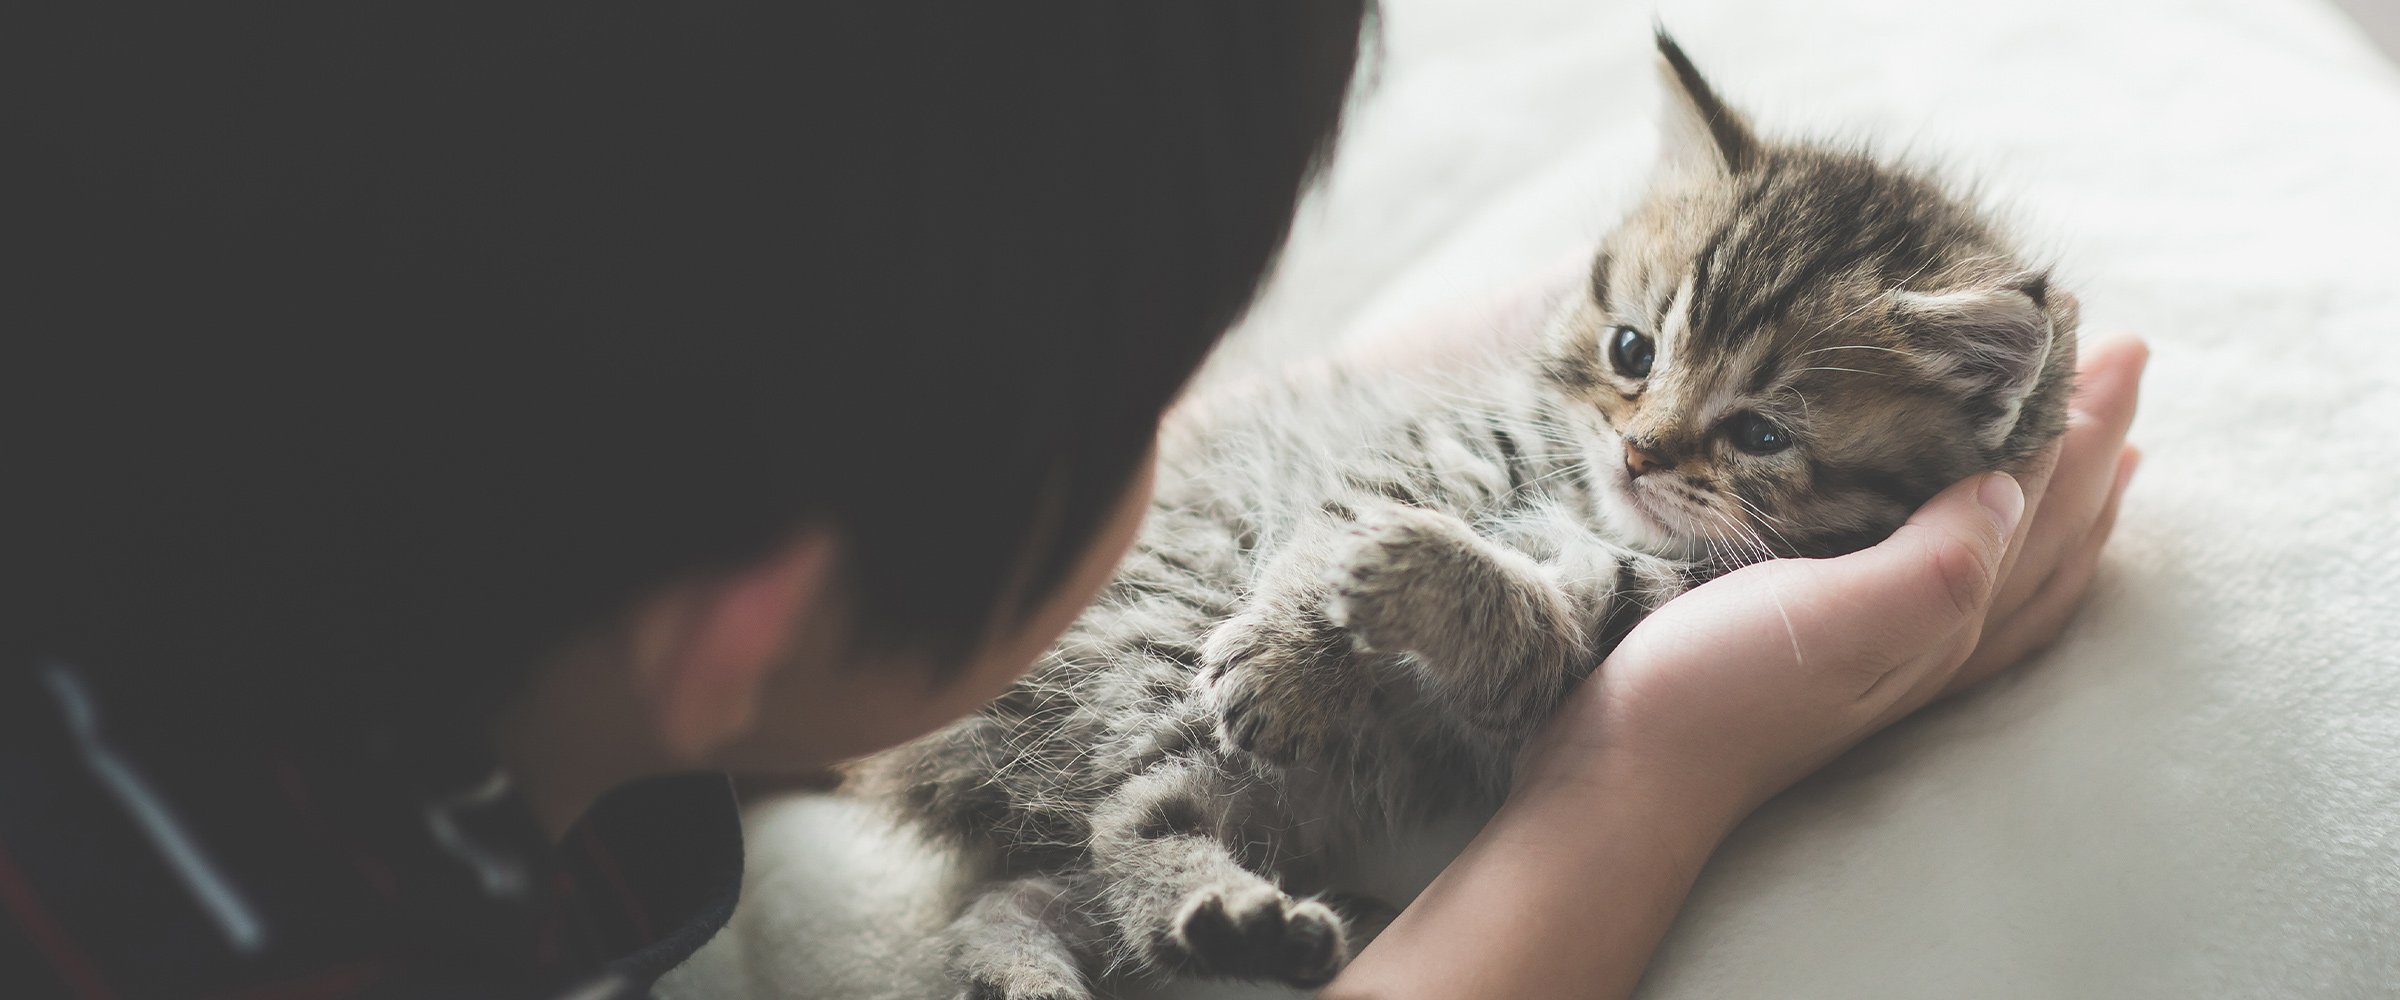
<point>2035,479</point>
<point>2040,622</point>
<point>2098,418</point>
<point>1930,583</point>
<point>2108,380</point>
<point>2009,641</point>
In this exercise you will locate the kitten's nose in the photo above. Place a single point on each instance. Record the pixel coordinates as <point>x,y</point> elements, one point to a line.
<point>1639,460</point>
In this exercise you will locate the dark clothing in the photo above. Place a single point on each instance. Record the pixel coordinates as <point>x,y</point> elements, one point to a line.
<point>136,866</point>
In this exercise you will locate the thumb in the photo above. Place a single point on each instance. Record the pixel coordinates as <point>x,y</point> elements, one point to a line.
<point>1942,567</point>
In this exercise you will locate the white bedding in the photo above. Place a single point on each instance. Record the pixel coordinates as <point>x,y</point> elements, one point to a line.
<point>2197,793</point>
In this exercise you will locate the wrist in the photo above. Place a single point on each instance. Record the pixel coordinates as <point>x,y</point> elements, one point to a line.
<point>1581,760</point>
<point>1565,892</point>
<point>1681,813</point>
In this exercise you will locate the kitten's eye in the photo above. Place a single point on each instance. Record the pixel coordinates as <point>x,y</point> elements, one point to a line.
<point>1757,435</point>
<point>1631,352</point>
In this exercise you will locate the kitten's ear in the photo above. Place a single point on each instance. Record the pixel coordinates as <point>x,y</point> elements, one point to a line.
<point>1988,342</point>
<point>1702,135</point>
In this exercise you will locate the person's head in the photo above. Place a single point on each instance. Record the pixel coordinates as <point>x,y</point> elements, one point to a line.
<point>374,355</point>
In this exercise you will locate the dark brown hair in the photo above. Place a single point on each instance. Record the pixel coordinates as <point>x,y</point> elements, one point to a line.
<point>373,351</point>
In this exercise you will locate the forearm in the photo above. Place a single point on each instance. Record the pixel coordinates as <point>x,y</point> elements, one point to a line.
<point>1564,894</point>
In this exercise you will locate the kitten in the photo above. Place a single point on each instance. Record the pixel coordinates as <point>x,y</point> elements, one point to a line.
<point>1357,596</point>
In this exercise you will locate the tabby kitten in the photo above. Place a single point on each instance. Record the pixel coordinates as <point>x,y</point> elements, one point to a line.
<point>1357,595</point>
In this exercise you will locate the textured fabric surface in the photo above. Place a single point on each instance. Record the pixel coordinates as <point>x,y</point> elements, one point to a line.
<point>2196,793</point>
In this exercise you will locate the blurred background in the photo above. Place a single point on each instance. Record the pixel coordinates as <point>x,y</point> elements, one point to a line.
<point>2380,18</point>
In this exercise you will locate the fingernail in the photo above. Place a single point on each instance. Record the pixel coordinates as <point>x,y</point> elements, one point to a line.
<point>2001,495</point>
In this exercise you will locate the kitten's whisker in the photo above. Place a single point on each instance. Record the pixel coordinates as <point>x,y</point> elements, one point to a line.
<point>1861,307</point>
<point>1572,467</point>
<point>1753,549</point>
<point>1763,515</point>
<point>1740,555</point>
<point>1775,591</point>
<point>1805,405</point>
<point>1855,310</point>
<point>1766,520</point>
<point>1862,347</point>
<point>1716,545</point>
<point>1754,545</point>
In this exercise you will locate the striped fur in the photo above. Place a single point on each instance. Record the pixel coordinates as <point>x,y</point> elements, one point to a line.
<point>1357,594</point>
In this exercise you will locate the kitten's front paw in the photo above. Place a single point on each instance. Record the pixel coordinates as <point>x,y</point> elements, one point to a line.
<point>1276,695</point>
<point>1401,575</point>
<point>1257,932</point>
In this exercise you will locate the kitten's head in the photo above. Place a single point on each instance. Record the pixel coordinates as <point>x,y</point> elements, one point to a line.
<point>1792,347</point>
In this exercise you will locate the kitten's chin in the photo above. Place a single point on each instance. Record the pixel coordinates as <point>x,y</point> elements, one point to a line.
<point>1639,524</point>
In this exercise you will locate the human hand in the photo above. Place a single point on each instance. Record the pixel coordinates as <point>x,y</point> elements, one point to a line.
<point>1750,682</point>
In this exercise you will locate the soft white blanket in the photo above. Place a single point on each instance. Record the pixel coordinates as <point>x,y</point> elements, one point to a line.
<point>2197,793</point>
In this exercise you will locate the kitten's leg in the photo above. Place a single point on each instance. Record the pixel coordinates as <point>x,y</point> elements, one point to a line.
<point>1496,636</point>
<point>1170,887</point>
<point>1014,943</point>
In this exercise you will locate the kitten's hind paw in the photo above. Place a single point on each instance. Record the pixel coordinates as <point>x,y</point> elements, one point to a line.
<point>1257,932</point>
